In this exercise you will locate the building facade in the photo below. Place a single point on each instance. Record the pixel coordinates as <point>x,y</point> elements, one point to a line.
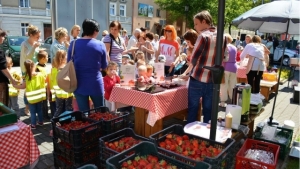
<point>17,15</point>
<point>121,10</point>
<point>148,15</point>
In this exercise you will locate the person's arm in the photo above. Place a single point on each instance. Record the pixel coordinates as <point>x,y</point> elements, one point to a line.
<point>8,75</point>
<point>244,52</point>
<point>21,86</point>
<point>188,70</point>
<point>149,48</point>
<point>157,53</point>
<point>28,54</point>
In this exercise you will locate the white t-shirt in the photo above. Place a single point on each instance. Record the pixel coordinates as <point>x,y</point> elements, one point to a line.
<point>168,49</point>
<point>256,50</point>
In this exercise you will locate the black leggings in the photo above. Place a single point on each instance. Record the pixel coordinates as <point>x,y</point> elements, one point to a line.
<point>254,80</point>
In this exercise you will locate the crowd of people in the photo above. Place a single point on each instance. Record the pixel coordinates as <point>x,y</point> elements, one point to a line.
<point>97,64</point>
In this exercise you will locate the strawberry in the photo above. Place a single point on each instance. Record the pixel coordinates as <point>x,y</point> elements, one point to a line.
<point>179,140</point>
<point>163,163</point>
<point>185,153</point>
<point>149,166</point>
<point>195,143</point>
<point>125,164</point>
<point>162,144</point>
<point>116,143</point>
<point>203,144</point>
<point>185,137</point>
<point>135,163</point>
<point>143,162</point>
<point>172,147</point>
<point>169,136</point>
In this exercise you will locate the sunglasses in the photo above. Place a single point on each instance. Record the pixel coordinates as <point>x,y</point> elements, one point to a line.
<point>103,35</point>
<point>168,31</point>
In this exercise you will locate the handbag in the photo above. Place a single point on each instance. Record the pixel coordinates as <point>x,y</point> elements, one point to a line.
<point>66,78</point>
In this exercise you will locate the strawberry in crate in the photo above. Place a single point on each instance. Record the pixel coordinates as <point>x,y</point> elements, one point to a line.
<point>192,148</point>
<point>74,125</point>
<point>122,144</point>
<point>102,116</point>
<point>147,162</point>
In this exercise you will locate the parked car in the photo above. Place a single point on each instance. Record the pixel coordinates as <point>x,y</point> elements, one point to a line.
<point>47,45</point>
<point>12,47</point>
<point>288,53</point>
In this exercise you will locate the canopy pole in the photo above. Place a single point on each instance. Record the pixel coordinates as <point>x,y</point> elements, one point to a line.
<point>284,44</point>
<point>219,57</point>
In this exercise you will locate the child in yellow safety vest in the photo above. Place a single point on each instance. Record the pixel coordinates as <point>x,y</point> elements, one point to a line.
<point>41,67</point>
<point>35,88</point>
<point>63,99</point>
<point>13,92</point>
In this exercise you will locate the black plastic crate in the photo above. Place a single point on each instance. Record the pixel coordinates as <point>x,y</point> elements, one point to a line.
<point>147,148</point>
<point>283,132</point>
<point>76,155</point>
<point>77,137</point>
<point>61,163</point>
<point>221,161</point>
<point>106,152</point>
<point>113,125</point>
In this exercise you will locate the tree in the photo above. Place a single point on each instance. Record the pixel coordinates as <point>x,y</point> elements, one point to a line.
<point>234,8</point>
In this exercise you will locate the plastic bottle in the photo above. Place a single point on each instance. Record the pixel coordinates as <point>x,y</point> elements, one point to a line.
<point>228,120</point>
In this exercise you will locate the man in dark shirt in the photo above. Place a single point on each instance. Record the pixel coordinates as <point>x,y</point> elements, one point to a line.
<point>5,76</point>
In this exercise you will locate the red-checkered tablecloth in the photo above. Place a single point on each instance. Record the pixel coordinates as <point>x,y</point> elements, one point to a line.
<point>241,72</point>
<point>18,148</point>
<point>159,104</point>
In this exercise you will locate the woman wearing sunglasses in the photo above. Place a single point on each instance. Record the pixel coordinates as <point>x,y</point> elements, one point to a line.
<point>169,47</point>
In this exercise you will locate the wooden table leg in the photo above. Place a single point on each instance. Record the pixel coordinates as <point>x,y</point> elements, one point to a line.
<point>265,91</point>
<point>140,118</point>
<point>149,130</point>
<point>251,129</point>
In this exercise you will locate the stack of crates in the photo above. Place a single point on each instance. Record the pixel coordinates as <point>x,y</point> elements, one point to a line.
<point>78,145</point>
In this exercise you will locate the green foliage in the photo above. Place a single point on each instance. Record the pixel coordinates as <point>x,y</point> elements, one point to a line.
<point>284,73</point>
<point>234,8</point>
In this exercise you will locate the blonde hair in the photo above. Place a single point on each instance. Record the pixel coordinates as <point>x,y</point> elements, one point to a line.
<point>140,62</point>
<point>60,32</point>
<point>139,54</point>
<point>32,30</point>
<point>60,57</point>
<point>74,27</point>
<point>228,37</point>
<point>111,64</point>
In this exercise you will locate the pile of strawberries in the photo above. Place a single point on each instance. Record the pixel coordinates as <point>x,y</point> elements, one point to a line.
<point>122,144</point>
<point>74,125</point>
<point>147,162</point>
<point>105,116</point>
<point>191,148</point>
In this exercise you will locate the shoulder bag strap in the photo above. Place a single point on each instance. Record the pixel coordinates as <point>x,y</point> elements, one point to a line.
<point>72,55</point>
<point>111,38</point>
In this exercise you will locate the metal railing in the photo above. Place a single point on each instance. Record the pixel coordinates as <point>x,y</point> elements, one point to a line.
<point>25,11</point>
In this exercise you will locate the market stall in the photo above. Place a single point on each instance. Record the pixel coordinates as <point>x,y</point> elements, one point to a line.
<point>152,109</point>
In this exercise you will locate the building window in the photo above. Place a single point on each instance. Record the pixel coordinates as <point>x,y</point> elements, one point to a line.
<point>112,9</point>
<point>24,27</point>
<point>157,13</point>
<point>24,3</point>
<point>147,24</point>
<point>48,4</point>
<point>122,10</point>
<point>162,22</point>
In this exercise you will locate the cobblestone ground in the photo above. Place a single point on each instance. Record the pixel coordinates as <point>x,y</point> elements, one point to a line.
<point>285,109</point>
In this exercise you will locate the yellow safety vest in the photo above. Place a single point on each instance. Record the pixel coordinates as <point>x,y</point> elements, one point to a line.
<point>59,93</point>
<point>36,88</point>
<point>42,69</point>
<point>11,90</point>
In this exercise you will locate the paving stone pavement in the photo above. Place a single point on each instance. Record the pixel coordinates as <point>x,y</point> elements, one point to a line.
<point>285,109</point>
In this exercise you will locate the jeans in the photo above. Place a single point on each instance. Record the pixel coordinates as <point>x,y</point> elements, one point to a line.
<point>36,108</point>
<point>167,71</point>
<point>63,105</point>
<point>83,101</point>
<point>13,104</point>
<point>254,78</point>
<point>196,90</point>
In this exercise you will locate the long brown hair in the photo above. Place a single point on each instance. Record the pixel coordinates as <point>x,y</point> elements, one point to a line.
<point>29,66</point>
<point>60,57</point>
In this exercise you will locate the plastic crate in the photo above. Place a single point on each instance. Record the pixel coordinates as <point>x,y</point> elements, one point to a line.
<point>60,163</point>
<point>79,137</point>
<point>284,148</point>
<point>147,148</point>
<point>76,156</point>
<point>220,161</point>
<point>110,126</point>
<point>106,152</point>
<point>8,116</point>
<point>246,163</point>
<point>88,166</point>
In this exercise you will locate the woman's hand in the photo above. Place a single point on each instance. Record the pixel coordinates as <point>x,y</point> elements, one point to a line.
<point>36,44</point>
<point>124,52</point>
<point>67,44</point>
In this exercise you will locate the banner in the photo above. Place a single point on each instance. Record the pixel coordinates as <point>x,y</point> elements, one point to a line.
<point>127,75</point>
<point>159,71</point>
<point>145,10</point>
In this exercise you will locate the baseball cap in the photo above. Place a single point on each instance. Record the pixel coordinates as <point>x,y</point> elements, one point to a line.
<point>126,56</point>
